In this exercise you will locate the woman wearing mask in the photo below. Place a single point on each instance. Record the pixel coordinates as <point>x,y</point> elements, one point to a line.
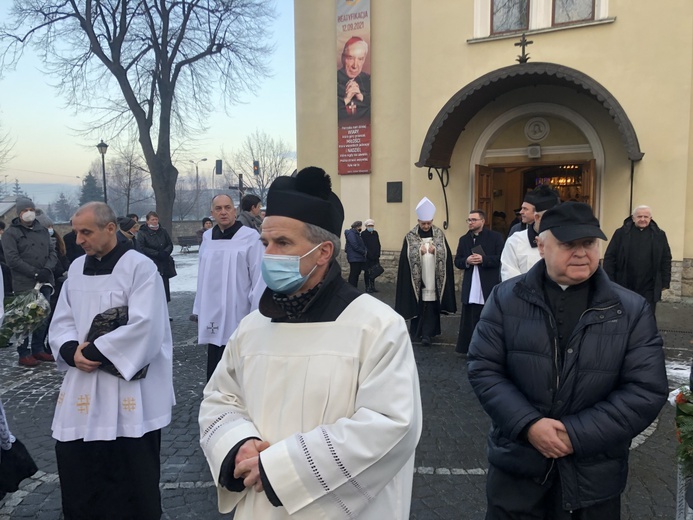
<point>154,242</point>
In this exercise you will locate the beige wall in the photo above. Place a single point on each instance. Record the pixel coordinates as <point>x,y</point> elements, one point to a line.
<point>421,57</point>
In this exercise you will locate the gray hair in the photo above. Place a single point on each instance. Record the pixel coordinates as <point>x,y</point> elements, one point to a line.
<point>316,235</point>
<point>221,195</point>
<point>641,207</point>
<point>103,214</point>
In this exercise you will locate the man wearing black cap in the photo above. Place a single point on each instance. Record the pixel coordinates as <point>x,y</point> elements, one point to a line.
<point>314,409</point>
<point>570,367</point>
<point>520,252</point>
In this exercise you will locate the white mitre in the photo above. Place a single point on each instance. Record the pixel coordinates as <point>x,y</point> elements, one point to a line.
<point>425,210</point>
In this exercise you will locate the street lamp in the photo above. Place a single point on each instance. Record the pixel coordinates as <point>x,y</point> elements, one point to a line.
<point>102,150</point>
<point>197,182</point>
<point>197,172</point>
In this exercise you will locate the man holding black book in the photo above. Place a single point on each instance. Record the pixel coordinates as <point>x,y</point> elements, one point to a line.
<point>117,392</point>
<point>478,254</point>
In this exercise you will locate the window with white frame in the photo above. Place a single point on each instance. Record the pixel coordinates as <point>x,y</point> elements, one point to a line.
<point>509,15</point>
<point>498,17</point>
<point>572,11</point>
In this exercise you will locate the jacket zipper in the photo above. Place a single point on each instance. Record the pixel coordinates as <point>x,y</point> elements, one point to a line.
<point>555,364</point>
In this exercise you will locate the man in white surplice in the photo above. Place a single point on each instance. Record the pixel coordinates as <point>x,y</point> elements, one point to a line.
<point>229,281</point>
<point>117,392</point>
<point>314,411</point>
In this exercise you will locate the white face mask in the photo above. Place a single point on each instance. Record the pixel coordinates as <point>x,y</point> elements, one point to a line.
<point>28,216</point>
<point>51,231</point>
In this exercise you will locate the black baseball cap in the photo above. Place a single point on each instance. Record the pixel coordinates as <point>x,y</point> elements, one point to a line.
<point>571,221</point>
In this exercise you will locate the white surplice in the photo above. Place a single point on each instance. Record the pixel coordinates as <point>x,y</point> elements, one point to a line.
<point>97,405</point>
<point>339,403</point>
<point>229,284</point>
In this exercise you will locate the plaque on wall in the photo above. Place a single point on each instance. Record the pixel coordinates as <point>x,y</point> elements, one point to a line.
<point>394,191</point>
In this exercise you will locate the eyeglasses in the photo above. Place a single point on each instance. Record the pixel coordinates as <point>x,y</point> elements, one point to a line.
<point>470,220</point>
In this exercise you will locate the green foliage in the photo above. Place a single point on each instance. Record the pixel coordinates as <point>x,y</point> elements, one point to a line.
<point>91,191</point>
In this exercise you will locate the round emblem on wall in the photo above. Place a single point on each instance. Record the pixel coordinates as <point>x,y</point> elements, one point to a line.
<point>537,129</point>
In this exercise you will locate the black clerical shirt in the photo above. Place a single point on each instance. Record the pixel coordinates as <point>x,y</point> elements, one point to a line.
<point>226,234</point>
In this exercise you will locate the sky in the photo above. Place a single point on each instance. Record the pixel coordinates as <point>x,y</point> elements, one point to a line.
<point>49,156</point>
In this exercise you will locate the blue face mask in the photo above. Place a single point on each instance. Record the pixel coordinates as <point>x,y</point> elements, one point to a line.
<point>370,229</point>
<point>282,273</point>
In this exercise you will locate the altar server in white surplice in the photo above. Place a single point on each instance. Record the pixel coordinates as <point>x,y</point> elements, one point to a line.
<point>314,411</point>
<point>117,392</point>
<point>229,279</point>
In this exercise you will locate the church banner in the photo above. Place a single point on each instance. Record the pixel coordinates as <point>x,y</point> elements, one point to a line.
<point>354,86</point>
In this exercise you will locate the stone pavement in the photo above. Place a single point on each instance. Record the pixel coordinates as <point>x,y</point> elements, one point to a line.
<point>451,462</point>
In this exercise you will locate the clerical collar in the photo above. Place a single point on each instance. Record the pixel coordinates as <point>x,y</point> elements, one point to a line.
<point>226,234</point>
<point>425,234</point>
<point>295,305</point>
<point>532,236</point>
<point>97,267</point>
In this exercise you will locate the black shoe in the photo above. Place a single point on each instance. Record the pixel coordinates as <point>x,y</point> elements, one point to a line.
<point>426,341</point>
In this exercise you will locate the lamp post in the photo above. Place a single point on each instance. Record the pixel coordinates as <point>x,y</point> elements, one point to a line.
<point>102,150</point>
<point>197,181</point>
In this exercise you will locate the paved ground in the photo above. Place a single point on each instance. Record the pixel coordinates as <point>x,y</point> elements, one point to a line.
<point>451,461</point>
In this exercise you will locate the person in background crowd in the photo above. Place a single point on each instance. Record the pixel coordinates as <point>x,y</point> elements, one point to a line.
<point>355,252</point>
<point>425,283</point>
<point>31,259</point>
<point>154,241</point>
<point>570,368</point>
<point>520,252</point>
<point>125,233</point>
<point>61,266</point>
<point>229,279</point>
<point>250,212</point>
<point>6,274</point>
<point>206,224</point>
<point>73,251</point>
<point>526,215</point>
<point>478,255</point>
<point>371,239</point>
<point>108,416</point>
<point>315,410</point>
<point>638,256</point>
<point>135,228</point>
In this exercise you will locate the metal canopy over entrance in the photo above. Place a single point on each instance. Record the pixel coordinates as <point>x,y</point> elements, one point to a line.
<point>447,126</point>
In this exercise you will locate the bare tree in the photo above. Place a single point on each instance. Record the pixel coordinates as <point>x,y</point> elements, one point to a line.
<point>153,64</point>
<point>6,146</point>
<point>187,197</point>
<point>127,180</point>
<point>274,156</point>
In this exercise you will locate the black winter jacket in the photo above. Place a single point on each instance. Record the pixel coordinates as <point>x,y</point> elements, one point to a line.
<point>611,386</point>
<point>616,257</point>
<point>157,245</point>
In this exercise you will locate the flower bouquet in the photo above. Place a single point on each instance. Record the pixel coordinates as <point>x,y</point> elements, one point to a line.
<point>23,315</point>
<point>683,400</point>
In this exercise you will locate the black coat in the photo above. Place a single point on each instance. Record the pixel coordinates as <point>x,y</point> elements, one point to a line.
<point>157,245</point>
<point>489,270</point>
<point>616,257</point>
<point>372,241</point>
<point>611,386</point>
